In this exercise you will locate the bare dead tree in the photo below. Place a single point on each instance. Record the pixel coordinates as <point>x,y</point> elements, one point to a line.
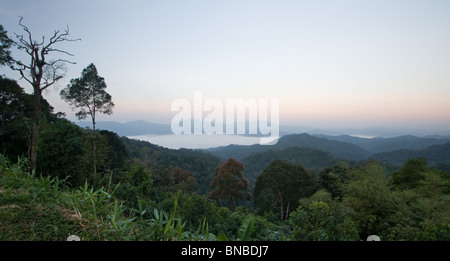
<point>41,73</point>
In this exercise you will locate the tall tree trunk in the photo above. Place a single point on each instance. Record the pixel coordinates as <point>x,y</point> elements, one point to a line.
<point>37,107</point>
<point>287,211</point>
<point>2,115</point>
<point>95,144</point>
<point>280,196</point>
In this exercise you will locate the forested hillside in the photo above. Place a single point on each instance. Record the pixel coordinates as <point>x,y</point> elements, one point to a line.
<point>201,164</point>
<point>312,159</point>
<point>436,155</point>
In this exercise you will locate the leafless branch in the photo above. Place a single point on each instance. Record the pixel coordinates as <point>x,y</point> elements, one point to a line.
<point>30,40</point>
<point>23,76</point>
<point>57,50</point>
<point>53,72</point>
<point>59,60</point>
<point>60,37</point>
<point>43,74</point>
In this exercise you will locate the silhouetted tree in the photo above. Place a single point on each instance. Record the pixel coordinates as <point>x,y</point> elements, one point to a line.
<point>41,72</point>
<point>88,94</point>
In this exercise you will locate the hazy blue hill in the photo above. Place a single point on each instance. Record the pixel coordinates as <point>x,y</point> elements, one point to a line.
<point>345,138</point>
<point>383,132</point>
<point>436,154</point>
<point>447,137</point>
<point>145,127</point>
<point>339,149</point>
<point>377,145</point>
<point>403,142</point>
<point>120,128</point>
<point>132,128</point>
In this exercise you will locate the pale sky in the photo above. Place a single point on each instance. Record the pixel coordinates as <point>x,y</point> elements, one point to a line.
<point>330,63</point>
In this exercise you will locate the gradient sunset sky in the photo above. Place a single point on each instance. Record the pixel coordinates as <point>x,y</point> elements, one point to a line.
<point>330,63</point>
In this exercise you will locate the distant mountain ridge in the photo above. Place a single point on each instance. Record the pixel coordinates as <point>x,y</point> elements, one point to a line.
<point>378,145</point>
<point>339,149</point>
<point>394,151</point>
<point>131,128</point>
<point>142,127</point>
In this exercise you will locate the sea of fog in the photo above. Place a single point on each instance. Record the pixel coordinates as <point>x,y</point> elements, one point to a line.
<point>202,141</point>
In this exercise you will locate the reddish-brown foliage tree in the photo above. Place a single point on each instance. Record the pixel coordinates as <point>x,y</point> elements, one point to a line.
<point>229,183</point>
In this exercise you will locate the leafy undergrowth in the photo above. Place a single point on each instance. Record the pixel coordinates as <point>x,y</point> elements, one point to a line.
<point>44,209</point>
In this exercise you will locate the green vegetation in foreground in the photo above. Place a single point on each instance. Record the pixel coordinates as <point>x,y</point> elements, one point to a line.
<point>349,204</point>
<point>44,208</point>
